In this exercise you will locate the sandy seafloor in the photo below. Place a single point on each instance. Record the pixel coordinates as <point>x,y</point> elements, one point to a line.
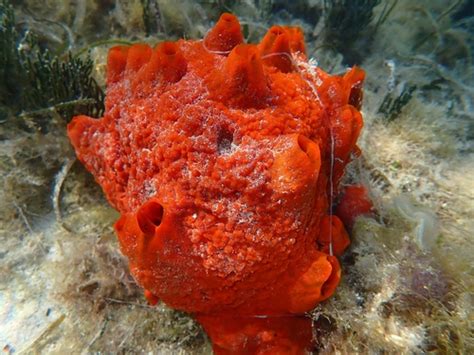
<point>408,277</point>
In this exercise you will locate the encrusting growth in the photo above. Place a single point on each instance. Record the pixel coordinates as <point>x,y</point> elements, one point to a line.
<point>218,156</point>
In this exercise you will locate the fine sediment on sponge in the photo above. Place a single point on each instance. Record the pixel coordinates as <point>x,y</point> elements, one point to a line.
<point>195,229</point>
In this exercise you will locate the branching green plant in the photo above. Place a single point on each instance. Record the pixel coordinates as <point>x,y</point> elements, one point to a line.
<point>348,25</point>
<point>10,63</point>
<point>65,85</point>
<point>35,82</point>
<point>151,16</point>
<point>392,105</point>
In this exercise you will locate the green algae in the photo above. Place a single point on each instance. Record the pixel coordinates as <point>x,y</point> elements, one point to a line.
<point>36,82</point>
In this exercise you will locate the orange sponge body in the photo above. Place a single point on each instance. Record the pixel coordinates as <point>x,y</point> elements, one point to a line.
<point>218,156</point>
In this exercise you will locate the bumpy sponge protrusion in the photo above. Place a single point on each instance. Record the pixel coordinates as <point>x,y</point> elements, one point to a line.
<point>316,284</point>
<point>242,83</point>
<point>275,49</point>
<point>77,131</point>
<point>296,37</point>
<point>138,56</point>
<point>353,81</point>
<point>225,35</point>
<point>149,217</point>
<point>167,63</point>
<point>296,165</point>
<point>333,238</point>
<point>116,62</point>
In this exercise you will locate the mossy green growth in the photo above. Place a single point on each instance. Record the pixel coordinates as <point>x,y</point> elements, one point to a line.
<point>392,105</point>
<point>349,28</point>
<point>10,63</point>
<point>35,82</point>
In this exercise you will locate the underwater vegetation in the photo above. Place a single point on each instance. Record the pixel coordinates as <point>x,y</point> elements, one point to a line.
<point>391,106</point>
<point>349,27</point>
<point>407,278</point>
<point>35,81</point>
